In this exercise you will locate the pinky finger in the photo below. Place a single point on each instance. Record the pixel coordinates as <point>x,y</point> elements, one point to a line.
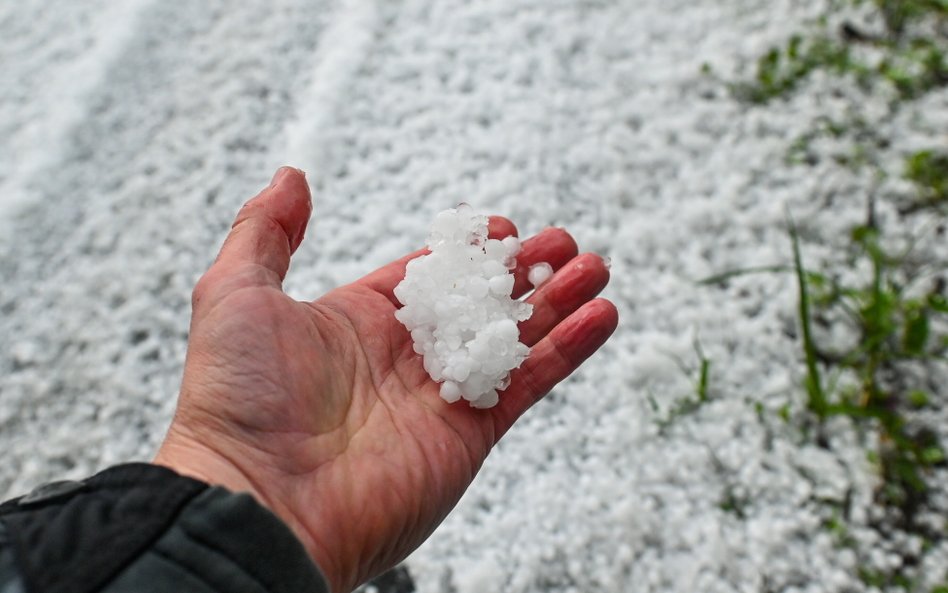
<point>555,357</point>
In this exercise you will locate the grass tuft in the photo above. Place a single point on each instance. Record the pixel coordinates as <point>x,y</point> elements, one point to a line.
<point>893,303</point>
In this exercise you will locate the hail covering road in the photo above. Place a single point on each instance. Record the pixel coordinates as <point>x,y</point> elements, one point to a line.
<point>132,131</point>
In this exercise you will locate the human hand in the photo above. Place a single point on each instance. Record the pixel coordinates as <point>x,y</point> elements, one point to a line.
<point>323,411</point>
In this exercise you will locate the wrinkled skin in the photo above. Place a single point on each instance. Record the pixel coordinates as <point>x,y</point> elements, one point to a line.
<point>322,410</point>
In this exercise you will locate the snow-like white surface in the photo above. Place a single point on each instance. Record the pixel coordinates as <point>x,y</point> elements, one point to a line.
<point>131,132</point>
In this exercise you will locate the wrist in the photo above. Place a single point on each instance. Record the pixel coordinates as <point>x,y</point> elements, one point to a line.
<point>189,457</point>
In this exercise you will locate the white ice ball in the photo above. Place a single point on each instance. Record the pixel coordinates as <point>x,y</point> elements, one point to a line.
<point>539,273</point>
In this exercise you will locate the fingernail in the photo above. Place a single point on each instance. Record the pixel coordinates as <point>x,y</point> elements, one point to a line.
<point>281,174</point>
<point>278,176</point>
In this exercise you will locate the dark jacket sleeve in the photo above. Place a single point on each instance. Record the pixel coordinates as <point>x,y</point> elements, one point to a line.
<point>145,529</point>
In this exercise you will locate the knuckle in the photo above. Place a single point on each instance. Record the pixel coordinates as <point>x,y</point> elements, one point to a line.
<point>202,289</point>
<point>248,211</point>
<point>565,357</point>
<point>532,385</point>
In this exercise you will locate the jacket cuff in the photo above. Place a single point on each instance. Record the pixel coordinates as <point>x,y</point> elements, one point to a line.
<point>144,528</point>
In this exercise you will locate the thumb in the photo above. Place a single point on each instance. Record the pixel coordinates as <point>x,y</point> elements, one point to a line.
<point>266,232</point>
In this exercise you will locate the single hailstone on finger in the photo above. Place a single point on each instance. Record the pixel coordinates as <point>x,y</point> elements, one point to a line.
<point>539,273</point>
<point>458,308</point>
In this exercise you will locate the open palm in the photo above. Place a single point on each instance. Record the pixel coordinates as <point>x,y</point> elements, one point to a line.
<point>322,409</point>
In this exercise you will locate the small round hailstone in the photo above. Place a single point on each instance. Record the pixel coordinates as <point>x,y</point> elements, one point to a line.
<point>512,244</point>
<point>450,392</point>
<point>539,273</point>
<point>458,308</point>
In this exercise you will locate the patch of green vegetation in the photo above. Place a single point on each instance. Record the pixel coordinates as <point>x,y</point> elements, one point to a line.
<point>690,403</point>
<point>885,580</point>
<point>929,171</point>
<point>895,306</point>
<point>733,503</point>
<point>893,328</point>
<point>781,70</point>
<point>899,14</point>
<point>836,525</point>
<point>916,69</point>
<point>912,63</point>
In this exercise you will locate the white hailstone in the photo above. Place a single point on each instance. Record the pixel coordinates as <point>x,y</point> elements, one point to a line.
<point>501,285</point>
<point>450,392</point>
<point>458,308</point>
<point>512,245</point>
<point>539,273</point>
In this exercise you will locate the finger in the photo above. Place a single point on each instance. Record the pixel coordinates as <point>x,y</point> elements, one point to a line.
<point>552,245</point>
<point>270,227</point>
<point>575,284</point>
<point>385,279</point>
<point>554,358</point>
<point>266,232</point>
<point>499,227</point>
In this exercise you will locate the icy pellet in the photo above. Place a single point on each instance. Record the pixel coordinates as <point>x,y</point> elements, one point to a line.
<point>539,273</point>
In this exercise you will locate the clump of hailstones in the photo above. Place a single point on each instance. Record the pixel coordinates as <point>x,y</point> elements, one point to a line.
<point>458,308</point>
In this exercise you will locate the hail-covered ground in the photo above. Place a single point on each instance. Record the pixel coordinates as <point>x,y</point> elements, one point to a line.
<point>131,132</point>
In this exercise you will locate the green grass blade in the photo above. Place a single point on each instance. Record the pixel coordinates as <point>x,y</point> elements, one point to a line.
<point>817,401</point>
